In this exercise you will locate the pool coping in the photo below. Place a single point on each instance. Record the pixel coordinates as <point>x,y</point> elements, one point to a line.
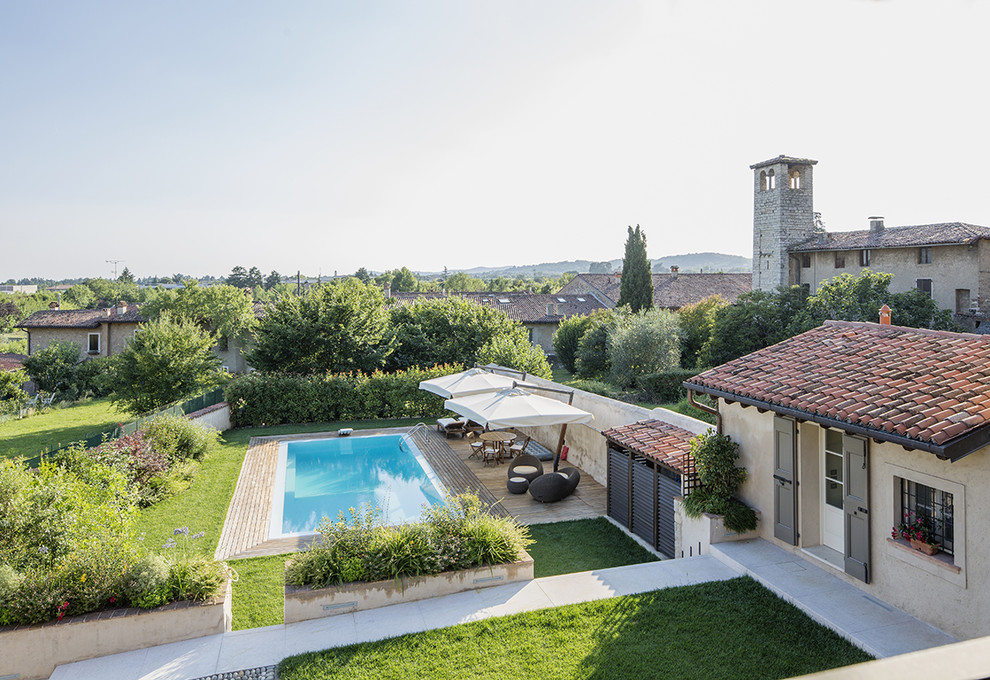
<point>246,526</point>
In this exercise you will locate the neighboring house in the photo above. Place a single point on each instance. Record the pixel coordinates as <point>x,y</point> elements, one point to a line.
<point>848,428</point>
<point>231,350</point>
<point>98,332</point>
<point>949,261</point>
<point>10,361</point>
<point>670,291</point>
<point>540,313</point>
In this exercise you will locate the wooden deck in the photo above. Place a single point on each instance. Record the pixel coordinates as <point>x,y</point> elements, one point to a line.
<point>245,530</point>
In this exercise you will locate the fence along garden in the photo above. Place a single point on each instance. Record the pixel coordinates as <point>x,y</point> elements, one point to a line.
<point>214,396</point>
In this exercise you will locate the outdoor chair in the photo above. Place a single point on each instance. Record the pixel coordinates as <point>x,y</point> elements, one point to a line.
<point>526,466</point>
<point>519,447</point>
<point>451,427</point>
<point>554,486</point>
<point>491,452</point>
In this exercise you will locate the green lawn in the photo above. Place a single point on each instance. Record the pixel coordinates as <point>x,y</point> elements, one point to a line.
<point>259,593</point>
<point>724,630</point>
<point>582,545</point>
<point>30,436</point>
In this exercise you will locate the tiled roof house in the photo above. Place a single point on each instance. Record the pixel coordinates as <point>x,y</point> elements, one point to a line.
<point>670,291</point>
<point>850,428</point>
<point>97,332</point>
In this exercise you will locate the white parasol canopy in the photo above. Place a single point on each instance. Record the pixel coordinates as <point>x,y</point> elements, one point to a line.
<point>515,407</point>
<point>471,381</point>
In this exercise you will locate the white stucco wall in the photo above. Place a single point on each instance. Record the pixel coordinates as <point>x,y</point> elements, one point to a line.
<point>954,600</point>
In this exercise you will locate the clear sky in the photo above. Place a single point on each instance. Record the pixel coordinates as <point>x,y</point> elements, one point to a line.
<point>195,135</point>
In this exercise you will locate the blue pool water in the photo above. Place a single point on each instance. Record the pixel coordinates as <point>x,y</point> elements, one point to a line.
<point>320,477</point>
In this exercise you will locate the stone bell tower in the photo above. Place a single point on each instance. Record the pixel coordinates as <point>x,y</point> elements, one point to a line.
<point>783,215</point>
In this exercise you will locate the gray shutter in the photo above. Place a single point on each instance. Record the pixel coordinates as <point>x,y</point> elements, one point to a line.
<point>784,481</point>
<point>856,505</point>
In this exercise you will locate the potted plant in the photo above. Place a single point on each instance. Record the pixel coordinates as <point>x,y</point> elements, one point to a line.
<point>917,530</point>
<point>715,456</point>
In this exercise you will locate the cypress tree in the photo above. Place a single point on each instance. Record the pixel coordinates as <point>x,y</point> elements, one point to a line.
<point>636,286</point>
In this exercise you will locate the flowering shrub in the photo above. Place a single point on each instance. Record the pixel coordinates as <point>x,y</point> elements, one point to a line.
<point>67,546</point>
<point>456,535</point>
<point>918,528</point>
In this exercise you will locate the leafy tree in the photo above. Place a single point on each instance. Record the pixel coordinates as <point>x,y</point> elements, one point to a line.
<point>80,295</point>
<point>10,387</point>
<point>445,331</point>
<point>272,280</point>
<point>338,328</point>
<point>696,323</point>
<point>600,268</point>
<point>362,275</point>
<point>592,352</point>
<point>404,281</point>
<point>567,337</point>
<point>238,277</point>
<point>636,285</point>
<point>10,314</point>
<point>514,350</point>
<point>126,276</point>
<point>461,281</point>
<point>167,361</point>
<point>918,310</point>
<point>222,309</point>
<point>110,292</point>
<point>53,368</point>
<point>646,342</point>
<point>758,319</point>
<point>254,278</point>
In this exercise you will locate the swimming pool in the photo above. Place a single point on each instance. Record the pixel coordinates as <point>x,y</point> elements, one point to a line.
<point>317,477</point>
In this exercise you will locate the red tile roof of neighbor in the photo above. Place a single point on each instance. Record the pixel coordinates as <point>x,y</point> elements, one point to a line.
<point>11,362</point>
<point>79,318</point>
<point>945,233</point>
<point>671,291</point>
<point>665,443</point>
<point>923,389</point>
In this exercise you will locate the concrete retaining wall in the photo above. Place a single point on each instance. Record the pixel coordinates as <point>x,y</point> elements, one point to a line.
<point>216,416</point>
<point>304,603</point>
<point>33,652</point>
<point>693,536</point>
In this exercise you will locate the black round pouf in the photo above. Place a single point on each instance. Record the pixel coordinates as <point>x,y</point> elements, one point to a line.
<point>517,484</point>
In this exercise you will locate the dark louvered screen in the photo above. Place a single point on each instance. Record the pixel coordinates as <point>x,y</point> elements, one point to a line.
<point>618,487</point>
<point>643,506</point>
<point>667,488</point>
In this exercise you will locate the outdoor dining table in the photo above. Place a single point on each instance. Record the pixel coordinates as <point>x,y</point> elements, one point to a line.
<point>502,439</point>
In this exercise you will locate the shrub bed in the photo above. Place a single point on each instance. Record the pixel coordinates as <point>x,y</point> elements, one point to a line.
<point>262,399</point>
<point>453,536</point>
<point>67,546</point>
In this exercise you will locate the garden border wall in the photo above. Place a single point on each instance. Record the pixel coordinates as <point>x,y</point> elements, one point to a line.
<point>33,652</point>
<point>303,602</point>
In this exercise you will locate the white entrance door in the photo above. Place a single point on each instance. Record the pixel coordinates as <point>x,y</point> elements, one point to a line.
<point>833,534</point>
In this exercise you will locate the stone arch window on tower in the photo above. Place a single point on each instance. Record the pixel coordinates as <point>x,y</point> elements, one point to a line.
<point>771,180</point>
<point>763,180</point>
<point>794,178</point>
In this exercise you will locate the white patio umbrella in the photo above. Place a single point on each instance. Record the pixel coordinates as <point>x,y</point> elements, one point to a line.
<point>471,381</point>
<point>515,407</point>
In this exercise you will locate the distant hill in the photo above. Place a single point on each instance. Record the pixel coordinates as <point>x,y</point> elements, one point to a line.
<point>691,262</point>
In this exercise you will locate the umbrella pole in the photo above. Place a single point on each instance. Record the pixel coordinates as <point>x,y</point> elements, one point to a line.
<point>560,447</point>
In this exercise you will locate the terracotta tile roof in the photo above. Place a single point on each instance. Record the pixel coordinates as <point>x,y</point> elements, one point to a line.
<point>79,318</point>
<point>665,443</point>
<point>783,159</point>
<point>522,307</point>
<point>945,233</point>
<point>11,362</point>
<point>670,291</point>
<point>892,383</point>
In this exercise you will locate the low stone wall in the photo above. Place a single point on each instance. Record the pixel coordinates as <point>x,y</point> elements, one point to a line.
<point>33,652</point>
<point>587,447</point>
<point>304,603</point>
<point>216,416</point>
<point>695,535</point>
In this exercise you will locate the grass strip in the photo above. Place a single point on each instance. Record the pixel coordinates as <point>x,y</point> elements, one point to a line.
<point>259,593</point>
<point>27,437</point>
<point>725,630</point>
<point>582,545</point>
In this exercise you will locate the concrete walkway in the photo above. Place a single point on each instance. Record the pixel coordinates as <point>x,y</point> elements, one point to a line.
<point>872,625</point>
<point>266,646</point>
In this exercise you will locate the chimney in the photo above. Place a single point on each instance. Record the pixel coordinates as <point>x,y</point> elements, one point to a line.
<point>674,269</point>
<point>121,307</point>
<point>53,305</point>
<point>876,225</point>
<point>388,290</point>
<point>885,316</point>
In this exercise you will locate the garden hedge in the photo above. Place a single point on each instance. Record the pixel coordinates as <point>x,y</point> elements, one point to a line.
<point>666,387</point>
<point>261,399</point>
